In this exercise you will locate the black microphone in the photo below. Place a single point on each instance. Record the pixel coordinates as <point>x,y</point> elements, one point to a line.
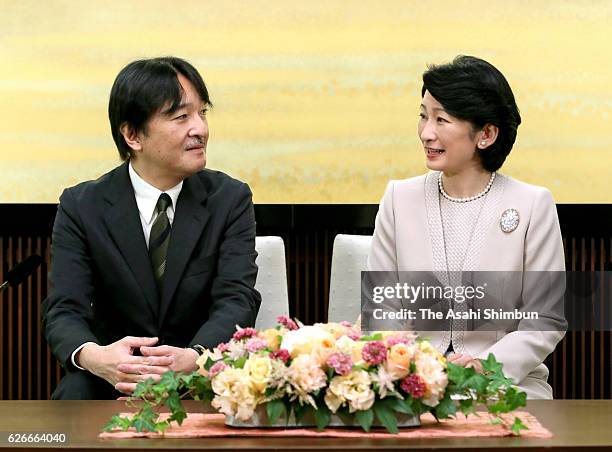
<point>21,271</point>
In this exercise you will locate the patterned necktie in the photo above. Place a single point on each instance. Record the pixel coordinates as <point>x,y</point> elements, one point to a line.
<point>159,239</point>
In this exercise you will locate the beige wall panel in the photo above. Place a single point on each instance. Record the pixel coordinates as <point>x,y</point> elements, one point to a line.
<point>315,101</point>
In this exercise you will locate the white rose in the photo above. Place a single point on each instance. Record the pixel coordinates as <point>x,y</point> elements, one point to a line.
<point>234,395</point>
<point>355,388</point>
<point>259,369</point>
<point>431,371</point>
<point>305,377</point>
<point>333,401</point>
<point>303,340</point>
<point>345,345</point>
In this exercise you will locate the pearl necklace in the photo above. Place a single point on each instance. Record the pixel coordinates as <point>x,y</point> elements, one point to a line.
<point>469,198</point>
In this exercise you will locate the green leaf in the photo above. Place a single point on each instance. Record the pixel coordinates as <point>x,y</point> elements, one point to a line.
<point>173,402</point>
<point>417,406</point>
<point>322,417</point>
<point>138,424</point>
<point>145,420</point>
<point>498,380</point>
<point>161,426</point>
<point>401,406</point>
<point>167,392</point>
<point>239,363</point>
<point>508,401</point>
<point>373,337</point>
<point>157,392</point>
<point>386,416</point>
<point>498,407</point>
<point>142,388</point>
<point>490,365</point>
<point>117,422</point>
<point>209,363</point>
<point>269,391</point>
<point>466,406</point>
<point>186,379</point>
<point>456,374</point>
<point>446,408</point>
<point>478,383</point>
<point>275,409</point>
<point>299,411</point>
<point>496,421</point>
<point>515,399</point>
<point>207,396</point>
<point>201,386</point>
<point>495,384</point>
<point>517,426</point>
<point>365,419</point>
<point>169,381</point>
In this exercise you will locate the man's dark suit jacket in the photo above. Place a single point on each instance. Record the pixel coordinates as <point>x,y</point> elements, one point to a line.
<point>102,284</point>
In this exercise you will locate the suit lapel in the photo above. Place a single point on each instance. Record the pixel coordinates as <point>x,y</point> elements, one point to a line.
<point>190,218</point>
<point>123,223</point>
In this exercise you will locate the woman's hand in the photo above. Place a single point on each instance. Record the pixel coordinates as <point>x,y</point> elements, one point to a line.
<point>465,361</point>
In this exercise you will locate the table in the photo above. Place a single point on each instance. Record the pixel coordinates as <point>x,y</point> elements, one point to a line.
<point>576,425</point>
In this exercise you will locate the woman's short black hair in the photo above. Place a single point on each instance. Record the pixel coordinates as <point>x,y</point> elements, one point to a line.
<point>142,88</point>
<point>473,90</point>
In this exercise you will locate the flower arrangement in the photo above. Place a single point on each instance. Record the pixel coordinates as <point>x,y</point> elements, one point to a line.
<point>327,369</point>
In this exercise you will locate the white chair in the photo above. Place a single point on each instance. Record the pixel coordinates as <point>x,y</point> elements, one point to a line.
<point>271,280</point>
<point>349,259</point>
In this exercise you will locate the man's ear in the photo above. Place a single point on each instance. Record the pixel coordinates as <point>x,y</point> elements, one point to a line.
<point>131,136</point>
<point>487,136</point>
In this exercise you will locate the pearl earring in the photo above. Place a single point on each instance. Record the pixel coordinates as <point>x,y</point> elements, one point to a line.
<point>482,143</point>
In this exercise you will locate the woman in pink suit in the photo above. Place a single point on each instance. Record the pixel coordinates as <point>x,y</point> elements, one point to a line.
<point>464,216</point>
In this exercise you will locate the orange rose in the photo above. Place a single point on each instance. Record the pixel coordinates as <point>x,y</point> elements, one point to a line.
<point>398,360</point>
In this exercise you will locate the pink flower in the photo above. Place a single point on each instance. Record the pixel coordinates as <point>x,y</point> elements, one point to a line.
<point>244,332</point>
<point>394,340</point>
<point>413,385</point>
<point>340,362</point>
<point>254,344</point>
<point>374,352</point>
<point>287,322</point>
<point>346,323</point>
<point>281,354</point>
<point>354,335</point>
<point>216,368</point>
<point>223,347</point>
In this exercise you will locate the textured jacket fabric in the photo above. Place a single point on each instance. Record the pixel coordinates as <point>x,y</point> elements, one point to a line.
<point>409,236</point>
<point>102,284</point>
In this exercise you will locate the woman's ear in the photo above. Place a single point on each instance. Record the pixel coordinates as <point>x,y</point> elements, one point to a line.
<point>131,136</point>
<point>487,136</point>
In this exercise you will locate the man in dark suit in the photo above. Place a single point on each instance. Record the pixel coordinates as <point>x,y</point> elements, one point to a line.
<point>156,256</point>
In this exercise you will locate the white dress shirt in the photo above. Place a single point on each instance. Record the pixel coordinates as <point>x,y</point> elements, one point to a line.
<point>146,200</point>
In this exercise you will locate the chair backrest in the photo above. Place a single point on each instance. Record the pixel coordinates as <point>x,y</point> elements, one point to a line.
<point>349,259</point>
<point>271,280</point>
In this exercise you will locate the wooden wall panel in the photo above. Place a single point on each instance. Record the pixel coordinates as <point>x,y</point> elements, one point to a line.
<point>27,368</point>
<point>581,366</point>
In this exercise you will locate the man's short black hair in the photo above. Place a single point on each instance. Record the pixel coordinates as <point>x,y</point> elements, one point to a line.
<point>142,88</point>
<point>471,89</point>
